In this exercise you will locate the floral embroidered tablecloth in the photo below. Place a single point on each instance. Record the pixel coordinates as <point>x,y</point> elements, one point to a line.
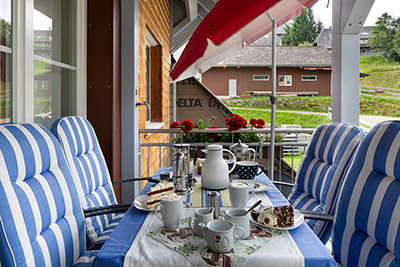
<point>194,248</point>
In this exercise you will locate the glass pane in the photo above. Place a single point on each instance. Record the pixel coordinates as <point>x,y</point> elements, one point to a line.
<point>54,92</point>
<point>5,23</point>
<point>54,30</point>
<point>5,88</point>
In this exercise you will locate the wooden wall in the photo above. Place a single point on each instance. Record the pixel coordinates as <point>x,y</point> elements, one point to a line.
<point>104,81</point>
<point>217,80</point>
<point>154,15</point>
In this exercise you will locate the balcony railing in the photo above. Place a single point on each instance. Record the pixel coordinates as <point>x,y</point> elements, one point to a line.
<point>284,170</point>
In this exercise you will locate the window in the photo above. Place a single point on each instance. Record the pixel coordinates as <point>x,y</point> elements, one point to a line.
<point>260,77</point>
<point>285,80</point>
<point>309,78</point>
<point>54,60</point>
<point>153,79</point>
<point>5,61</point>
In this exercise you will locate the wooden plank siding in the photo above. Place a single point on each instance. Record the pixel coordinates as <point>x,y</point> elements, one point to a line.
<point>154,15</point>
<point>217,80</point>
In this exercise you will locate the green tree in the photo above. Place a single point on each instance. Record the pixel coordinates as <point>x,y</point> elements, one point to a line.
<point>5,33</point>
<point>386,37</point>
<point>303,30</point>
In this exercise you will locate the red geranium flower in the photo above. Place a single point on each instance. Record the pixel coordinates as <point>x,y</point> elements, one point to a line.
<point>213,135</point>
<point>188,126</point>
<point>257,123</point>
<point>235,122</point>
<point>174,124</point>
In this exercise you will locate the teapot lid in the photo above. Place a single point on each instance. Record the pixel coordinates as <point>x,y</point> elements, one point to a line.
<point>239,146</point>
<point>214,147</point>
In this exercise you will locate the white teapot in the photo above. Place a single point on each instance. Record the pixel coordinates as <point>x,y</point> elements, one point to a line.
<point>214,172</point>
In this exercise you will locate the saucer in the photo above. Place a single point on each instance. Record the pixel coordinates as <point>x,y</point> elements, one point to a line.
<point>141,203</point>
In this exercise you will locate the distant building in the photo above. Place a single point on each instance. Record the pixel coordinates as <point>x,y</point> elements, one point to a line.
<point>300,71</point>
<point>42,41</point>
<point>325,39</point>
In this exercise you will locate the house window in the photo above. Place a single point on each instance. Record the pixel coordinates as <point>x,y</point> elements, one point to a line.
<point>285,80</point>
<point>153,80</point>
<point>260,77</point>
<point>55,63</point>
<point>309,78</point>
<point>5,61</point>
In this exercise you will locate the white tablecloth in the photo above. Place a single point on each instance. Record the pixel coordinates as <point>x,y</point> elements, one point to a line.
<point>281,251</point>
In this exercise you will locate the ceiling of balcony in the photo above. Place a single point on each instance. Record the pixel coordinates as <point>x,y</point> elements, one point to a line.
<point>186,16</point>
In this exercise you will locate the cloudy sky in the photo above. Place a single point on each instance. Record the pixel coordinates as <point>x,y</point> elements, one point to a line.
<point>380,6</point>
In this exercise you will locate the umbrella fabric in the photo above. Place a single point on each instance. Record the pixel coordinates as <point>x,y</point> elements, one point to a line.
<point>227,26</point>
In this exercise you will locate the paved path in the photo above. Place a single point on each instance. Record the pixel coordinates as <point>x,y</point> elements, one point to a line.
<point>367,120</point>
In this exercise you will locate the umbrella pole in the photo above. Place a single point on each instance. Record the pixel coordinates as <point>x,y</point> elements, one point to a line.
<point>273,100</point>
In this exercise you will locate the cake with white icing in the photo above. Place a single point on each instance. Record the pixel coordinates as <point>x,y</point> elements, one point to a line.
<point>281,216</point>
<point>157,191</point>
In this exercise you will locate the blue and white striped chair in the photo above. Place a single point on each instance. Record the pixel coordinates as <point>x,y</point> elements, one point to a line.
<point>89,169</point>
<point>321,172</point>
<point>40,213</point>
<point>367,227</point>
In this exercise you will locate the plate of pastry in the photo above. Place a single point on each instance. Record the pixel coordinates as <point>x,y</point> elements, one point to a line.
<point>149,201</point>
<point>278,218</point>
<point>141,203</point>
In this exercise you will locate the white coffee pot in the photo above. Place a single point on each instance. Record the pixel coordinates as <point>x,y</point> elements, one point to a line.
<point>214,172</point>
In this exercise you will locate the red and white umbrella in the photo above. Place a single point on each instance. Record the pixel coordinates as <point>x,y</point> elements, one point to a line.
<point>226,28</point>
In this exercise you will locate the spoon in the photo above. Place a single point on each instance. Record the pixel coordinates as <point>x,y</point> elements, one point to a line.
<point>253,207</point>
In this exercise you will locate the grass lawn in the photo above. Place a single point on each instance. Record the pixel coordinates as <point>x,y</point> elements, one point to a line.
<point>306,121</point>
<point>383,73</point>
<point>368,105</point>
<point>296,160</point>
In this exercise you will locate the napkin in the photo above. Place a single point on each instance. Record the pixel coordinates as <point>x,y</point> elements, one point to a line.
<point>194,248</point>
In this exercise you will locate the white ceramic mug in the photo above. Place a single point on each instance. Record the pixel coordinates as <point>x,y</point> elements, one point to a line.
<point>220,235</point>
<point>240,219</point>
<point>239,194</point>
<point>171,207</point>
<point>202,215</point>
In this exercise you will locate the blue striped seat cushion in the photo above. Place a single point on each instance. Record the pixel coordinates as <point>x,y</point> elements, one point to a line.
<point>367,226</point>
<point>88,166</point>
<point>322,170</point>
<point>40,213</point>
<point>86,258</point>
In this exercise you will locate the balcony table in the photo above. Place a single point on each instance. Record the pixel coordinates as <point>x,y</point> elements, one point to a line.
<point>117,250</point>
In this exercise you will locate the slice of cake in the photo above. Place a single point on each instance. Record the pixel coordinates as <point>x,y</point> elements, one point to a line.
<point>281,216</point>
<point>157,191</point>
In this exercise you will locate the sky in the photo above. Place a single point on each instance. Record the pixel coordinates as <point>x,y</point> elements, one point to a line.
<point>392,7</point>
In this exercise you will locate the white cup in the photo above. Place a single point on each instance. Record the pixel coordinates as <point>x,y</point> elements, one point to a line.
<point>239,194</point>
<point>202,215</point>
<point>240,219</point>
<point>171,207</point>
<point>220,235</point>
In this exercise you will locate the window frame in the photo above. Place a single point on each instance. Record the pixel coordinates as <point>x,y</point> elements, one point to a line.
<point>153,84</point>
<point>286,76</point>
<point>23,57</point>
<point>260,80</point>
<point>308,80</point>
